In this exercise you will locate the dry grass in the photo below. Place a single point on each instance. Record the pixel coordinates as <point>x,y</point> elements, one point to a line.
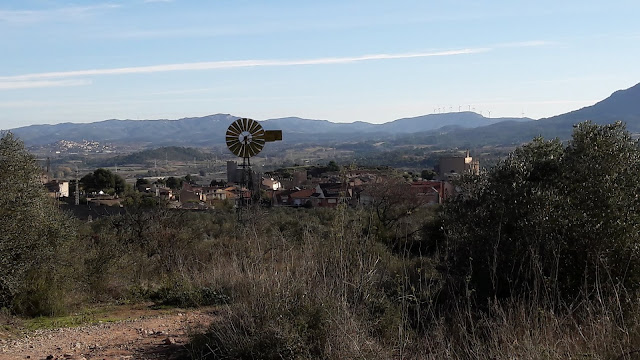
<point>346,296</point>
<point>320,284</point>
<point>343,295</point>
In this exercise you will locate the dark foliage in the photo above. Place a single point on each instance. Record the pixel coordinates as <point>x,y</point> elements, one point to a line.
<point>550,221</point>
<point>103,180</point>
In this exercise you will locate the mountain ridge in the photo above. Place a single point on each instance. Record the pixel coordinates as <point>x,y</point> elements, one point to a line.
<point>453,129</point>
<point>198,130</point>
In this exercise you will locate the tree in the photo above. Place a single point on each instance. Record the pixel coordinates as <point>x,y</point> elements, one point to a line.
<point>35,236</point>
<point>136,200</point>
<point>428,174</point>
<point>332,166</point>
<point>215,182</point>
<point>103,180</point>
<point>397,209</point>
<point>174,183</point>
<point>550,220</point>
<point>141,181</point>
<point>191,179</point>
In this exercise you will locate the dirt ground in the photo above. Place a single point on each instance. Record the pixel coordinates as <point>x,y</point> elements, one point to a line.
<point>142,334</point>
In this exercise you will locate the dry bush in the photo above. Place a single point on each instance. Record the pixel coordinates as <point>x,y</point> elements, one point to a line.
<point>337,293</point>
<point>306,297</point>
<point>517,330</point>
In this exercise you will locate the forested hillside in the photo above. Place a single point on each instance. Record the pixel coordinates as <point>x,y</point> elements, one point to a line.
<point>168,153</point>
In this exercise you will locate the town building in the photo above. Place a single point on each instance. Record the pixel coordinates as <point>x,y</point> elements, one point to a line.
<point>457,165</point>
<point>57,188</point>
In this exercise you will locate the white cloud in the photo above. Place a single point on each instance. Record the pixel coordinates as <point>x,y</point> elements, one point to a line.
<point>235,64</point>
<point>30,84</point>
<point>34,16</point>
<point>158,1</point>
<point>532,43</point>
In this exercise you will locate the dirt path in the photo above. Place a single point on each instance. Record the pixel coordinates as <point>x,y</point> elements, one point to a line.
<point>144,334</point>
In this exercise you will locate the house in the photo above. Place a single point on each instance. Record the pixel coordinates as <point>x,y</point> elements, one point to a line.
<point>281,197</point>
<point>164,193</point>
<point>190,193</point>
<point>457,165</point>
<point>293,197</point>
<point>237,192</point>
<point>330,194</point>
<point>271,184</point>
<point>302,197</point>
<point>57,189</point>
<point>432,191</point>
<point>217,193</point>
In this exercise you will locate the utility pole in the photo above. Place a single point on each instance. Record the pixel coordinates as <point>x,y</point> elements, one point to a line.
<point>77,195</point>
<point>77,199</point>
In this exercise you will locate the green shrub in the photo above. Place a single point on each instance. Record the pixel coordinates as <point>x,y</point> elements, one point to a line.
<point>37,255</point>
<point>41,295</point>
<point>182,294</point>
<point>551,222</point>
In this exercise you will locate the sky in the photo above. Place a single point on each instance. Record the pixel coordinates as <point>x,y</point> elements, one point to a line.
<point>343,61</point>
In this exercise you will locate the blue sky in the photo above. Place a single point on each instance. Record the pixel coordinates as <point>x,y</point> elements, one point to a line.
<point>375,61</point>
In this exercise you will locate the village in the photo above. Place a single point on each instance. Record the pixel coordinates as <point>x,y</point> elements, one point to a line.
<point>305,187</point>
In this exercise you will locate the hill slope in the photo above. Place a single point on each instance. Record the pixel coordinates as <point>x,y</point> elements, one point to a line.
<point>172,153</point>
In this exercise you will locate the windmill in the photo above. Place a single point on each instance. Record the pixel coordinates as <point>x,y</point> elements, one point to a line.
<point>245,138</point>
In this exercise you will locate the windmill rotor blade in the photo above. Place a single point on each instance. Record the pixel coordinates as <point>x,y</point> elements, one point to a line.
<point>236,148</point>
<point>235,128</point>
<point>246,137</point>
<point>254,148</point>
<point>254,127</point>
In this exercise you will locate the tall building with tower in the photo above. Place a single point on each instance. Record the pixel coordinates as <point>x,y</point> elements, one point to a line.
<point>232,172</point>
<point>457,165</point>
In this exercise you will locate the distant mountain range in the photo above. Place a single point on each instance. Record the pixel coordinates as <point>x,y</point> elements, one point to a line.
<point>455,129</point>
<point>210,130</point>
<point>622,105</point>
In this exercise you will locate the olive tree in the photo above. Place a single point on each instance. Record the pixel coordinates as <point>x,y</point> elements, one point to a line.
<point>34,234</point>
<point>551,220</point>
